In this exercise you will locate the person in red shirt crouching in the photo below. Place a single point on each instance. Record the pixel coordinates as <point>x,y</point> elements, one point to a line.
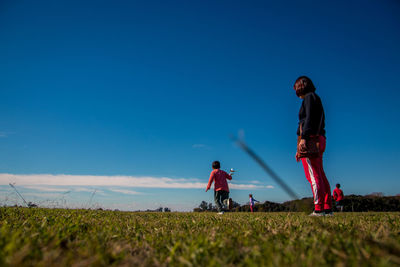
<point>221,189</point>
<point>338,197</point>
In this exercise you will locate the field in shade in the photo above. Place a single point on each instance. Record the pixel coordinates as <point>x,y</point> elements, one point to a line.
<point>64,237</point>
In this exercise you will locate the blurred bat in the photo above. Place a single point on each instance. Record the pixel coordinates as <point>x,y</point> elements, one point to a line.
<point>265,167</point>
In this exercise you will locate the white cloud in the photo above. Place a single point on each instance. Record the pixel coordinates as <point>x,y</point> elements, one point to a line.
<point>42,195</point>
<point>116,181</point>
<point>124,191</point>
<point>83,189</point>
<point>45,188</point>
<point>5,134</point>
<point>60,189</point>
<point>201,146</point>
<point>249,186</point>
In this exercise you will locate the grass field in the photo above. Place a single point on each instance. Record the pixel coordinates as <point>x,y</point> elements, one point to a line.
<point>84,237</point>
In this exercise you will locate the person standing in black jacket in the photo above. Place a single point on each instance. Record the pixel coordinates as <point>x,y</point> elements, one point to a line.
<point>312,124</point>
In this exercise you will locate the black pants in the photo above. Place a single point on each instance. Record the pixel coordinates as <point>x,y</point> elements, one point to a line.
<point>220,198</point>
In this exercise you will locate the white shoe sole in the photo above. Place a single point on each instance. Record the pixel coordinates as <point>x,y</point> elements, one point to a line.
<point>316,214</point>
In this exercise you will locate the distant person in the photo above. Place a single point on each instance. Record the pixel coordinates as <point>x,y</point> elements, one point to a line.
<point>338,197</point>
<point>252,200</point>
<point>311,130</point>
<point>221,189</point>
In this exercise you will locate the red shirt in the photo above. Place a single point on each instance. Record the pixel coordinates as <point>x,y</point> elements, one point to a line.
<point>338,194</point>
<point>219,177</point>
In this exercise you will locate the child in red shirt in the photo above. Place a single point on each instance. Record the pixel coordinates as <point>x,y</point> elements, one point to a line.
<point>221,189</point>
<point>338,197</point>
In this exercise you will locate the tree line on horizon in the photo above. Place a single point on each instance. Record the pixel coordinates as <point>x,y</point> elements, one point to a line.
<point>351,203</point>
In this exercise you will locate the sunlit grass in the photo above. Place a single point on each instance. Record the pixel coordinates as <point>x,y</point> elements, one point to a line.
<point>84,237</point>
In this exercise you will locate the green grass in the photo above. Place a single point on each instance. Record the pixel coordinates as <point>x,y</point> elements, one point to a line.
<point>82,237</point>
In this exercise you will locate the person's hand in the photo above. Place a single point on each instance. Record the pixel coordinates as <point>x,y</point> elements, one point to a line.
<point>297,156</point>
<point>302,146</point>
<point>206,189</point>
<point>302,143</point>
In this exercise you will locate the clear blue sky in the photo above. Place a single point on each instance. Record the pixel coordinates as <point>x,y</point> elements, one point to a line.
<point>154,89</point>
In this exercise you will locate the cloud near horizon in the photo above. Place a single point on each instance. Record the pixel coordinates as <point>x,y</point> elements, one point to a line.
<point>203,146</point>
<point>40,180</point>
<point>126,192</point>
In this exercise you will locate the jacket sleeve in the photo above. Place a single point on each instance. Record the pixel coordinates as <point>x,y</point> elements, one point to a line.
<point>228,176</point>
<point>334,195</point>
<point>309,105</point>
<point>210,181</point>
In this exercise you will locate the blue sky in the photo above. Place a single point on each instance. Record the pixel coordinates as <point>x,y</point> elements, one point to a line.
<point>152,90</point>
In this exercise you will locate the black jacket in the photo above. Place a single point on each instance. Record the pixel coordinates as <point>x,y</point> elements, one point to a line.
<point>310,115</point>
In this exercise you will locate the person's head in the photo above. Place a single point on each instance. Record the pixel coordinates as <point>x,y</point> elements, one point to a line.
<point>250,195</point>
<point>303,86</point>
<point>216,165</point>
<point>337,185</point>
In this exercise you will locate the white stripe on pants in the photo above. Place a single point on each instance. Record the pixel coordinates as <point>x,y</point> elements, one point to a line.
<point>313,183</point>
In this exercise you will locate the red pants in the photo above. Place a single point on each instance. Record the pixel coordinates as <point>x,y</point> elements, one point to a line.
<point>316,176</point>
<point>251,208</point>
